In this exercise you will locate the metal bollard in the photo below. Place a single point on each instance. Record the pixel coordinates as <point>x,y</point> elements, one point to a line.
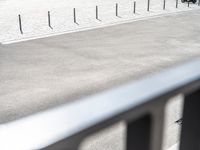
<point>148,5</point>
<point>97,13</point>
<point>164,4</point>
<point>176,3</point>
<point>134,7</point>
<point>188,4</point>
<point>199,3</point>
<point>74,12</point>
<point>116,9</point>
<point>49,20</point>
<point>20,24</point>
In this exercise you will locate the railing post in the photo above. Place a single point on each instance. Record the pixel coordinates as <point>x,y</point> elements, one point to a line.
<point>138,134</point>
<point>190,134</point>
<point>158,117</point>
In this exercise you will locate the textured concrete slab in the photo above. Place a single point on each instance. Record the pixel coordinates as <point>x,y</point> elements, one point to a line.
<point>35,24</point>
<point>40,74</point>
<point>71,66</point>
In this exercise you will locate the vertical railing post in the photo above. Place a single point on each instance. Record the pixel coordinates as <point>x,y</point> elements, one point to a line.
<point>158,118</point>
<point>188,4</point>
<point>190,134</point>
<point>49,20</point>
<point>139,134</point>
<point>20,24</point>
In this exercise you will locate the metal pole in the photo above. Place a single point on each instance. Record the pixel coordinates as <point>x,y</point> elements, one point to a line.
<point>134,7</point>
<point>74,11</point>
<point>116,10</point>
<point>20,24</point>
<point>188,4</point>
<point>49,20</point>
<point>176,3</point>
<point>199,3</point>
<point>164,4</point>
<point>97,13</point>
<point>148,5</point>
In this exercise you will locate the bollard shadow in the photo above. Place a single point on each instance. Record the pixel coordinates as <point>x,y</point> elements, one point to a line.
<point>118,16</point>
<point>98,19</point>
<point>151,11</point>
<point>51,27</point>
<point>76,23</point>
<point>21,32</point>
<point>136,13</point>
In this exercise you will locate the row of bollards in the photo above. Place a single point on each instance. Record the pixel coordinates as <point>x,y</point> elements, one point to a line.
<point>97,13</point>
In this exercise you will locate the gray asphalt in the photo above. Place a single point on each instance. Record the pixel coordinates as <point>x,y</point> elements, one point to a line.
<point>67,67</point>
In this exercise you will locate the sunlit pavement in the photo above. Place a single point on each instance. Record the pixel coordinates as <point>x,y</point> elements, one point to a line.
<point>66,67</point>
<point>34,15</point>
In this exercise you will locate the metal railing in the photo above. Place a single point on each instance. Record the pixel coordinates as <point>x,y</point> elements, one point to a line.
<point>140,104</point>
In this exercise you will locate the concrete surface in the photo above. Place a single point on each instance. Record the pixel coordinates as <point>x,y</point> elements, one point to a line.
<point>34,15</point>
<point>66,67</point>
